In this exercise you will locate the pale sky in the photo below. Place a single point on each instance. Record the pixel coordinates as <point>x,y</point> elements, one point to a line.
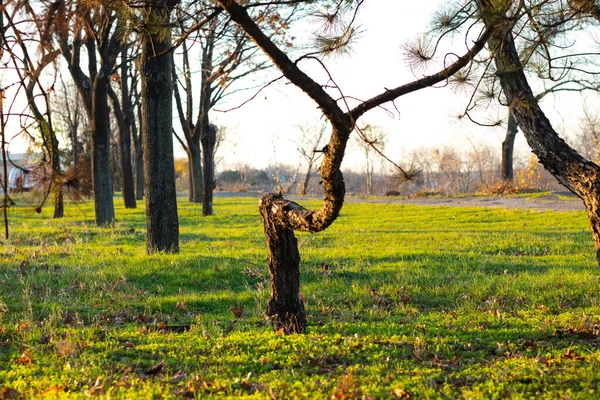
<point>426,117</point>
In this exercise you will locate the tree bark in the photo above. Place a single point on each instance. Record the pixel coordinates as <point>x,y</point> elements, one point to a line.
<point>162,224</point>
<point>209,140</point>
<point>508,146</point>
<point>101,174</point>
<point>285,308</point>
<point>577,174</point>
<point>124,148</point>
<point>195,168</point>
<point>138,152</point>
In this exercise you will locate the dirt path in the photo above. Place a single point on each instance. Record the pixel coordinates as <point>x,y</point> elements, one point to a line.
<point>558,201</point>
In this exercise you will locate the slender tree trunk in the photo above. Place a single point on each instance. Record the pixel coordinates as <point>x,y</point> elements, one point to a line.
<point>52,141</point>
<point>125,136</point>
<point>209,140</point>
<point>508,146</point>
<point>195,168</point>
<point>138,155</point>
<point>306,181</point>
<point>101,174</point>
<point>124,149</point>
<point>162,224</point>
<point>4,158</point>
<point>579,175</point>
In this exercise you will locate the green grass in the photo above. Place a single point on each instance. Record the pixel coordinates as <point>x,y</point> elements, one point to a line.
<point>428,302</point>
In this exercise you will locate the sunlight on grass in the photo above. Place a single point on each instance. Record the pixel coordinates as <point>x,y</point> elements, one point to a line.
<point>403,301</point>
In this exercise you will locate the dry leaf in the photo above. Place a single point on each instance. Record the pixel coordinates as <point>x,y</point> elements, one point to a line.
<point>7,393</point>
<point>179,376</point>
<point>156,368</point>
<point>98,387</point>
<point>181,305</point>
<point>66,348</point>
<point>24,359</point>
<point>401,393</point>
<point>237,311</point>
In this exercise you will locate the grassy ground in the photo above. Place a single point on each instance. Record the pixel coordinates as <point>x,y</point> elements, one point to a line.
<point>421,302</point>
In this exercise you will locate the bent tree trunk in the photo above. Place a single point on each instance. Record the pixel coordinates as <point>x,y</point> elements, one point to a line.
<point>162,224</point>
<point>577,174</point>
<point>282,217</point>
<point>209,140</point>
<point>508,146</point>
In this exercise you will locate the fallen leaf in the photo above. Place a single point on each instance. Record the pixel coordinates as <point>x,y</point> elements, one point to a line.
<point>98,387</point>
<point>24,359</point>
<point>237,311</point>
<point>156,368</point>
<point>181,305</point>
<point>383,301</point>
<point>22,326</point>
<point>401,393</point>
<point>405,299</point>
<point>66,348</point>
<point>7,393</point>
<point>179,376</point>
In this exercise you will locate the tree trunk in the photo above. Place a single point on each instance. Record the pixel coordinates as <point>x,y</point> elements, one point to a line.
<point>59,207</point>
<point>139,173</point>
<point>162,225</point>
<point>579,175</point>
<point>209,140</point>
<point>282,217</point>
<point>306,181</point>
<point>125,136</point>
<point>508,146</point>
<point>138,156</point>
<point>285,308</point>
<point>124,148</point>
<point>195,168</point>
<point>101,174</point>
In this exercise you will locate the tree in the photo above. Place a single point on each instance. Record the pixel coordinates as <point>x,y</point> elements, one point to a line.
<point>508,145</point>
<point>123,111</point>
<point>282,217</point>
<point>227,56</point>
<point>162,223</point>
<point>29,74</point>
<point>580,176</point>
<point>371,140</point>
<point>309,148</point>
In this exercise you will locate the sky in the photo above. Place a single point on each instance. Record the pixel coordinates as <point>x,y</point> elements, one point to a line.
<point>263,132</point>
<point>427,117</point>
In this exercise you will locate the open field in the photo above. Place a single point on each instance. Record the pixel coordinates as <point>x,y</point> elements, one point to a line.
<point>403,301</point>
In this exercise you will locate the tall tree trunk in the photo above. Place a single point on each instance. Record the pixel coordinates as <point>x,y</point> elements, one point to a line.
<point>101,174</point>
<point>162,224</point>
<point>508,146</point>
<point>209,140</point>
<point>125,136</point>
<point>124,148</point>
<point>195,168</point>
<point>138,153</point>
<point>579,175</point>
